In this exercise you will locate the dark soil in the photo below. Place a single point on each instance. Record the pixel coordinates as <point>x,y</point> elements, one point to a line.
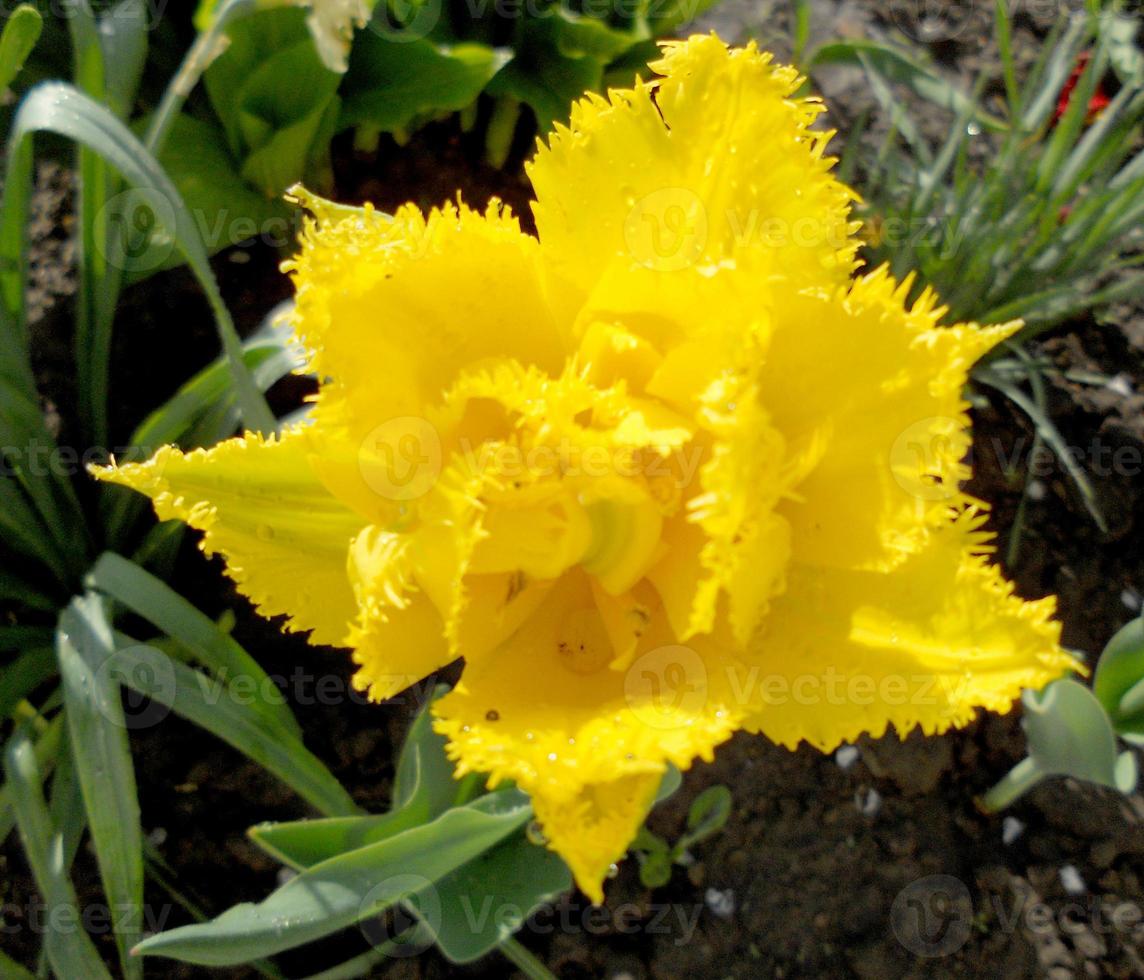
<point>822,867</point>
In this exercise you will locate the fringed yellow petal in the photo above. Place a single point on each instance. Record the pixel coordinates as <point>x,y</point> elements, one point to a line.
<point>747,545</point>
<point>398,638</point>
<point>925,645</point>
<point>593,831</point>
<point>714,161</point>
<point>547,711</point>
<point>870,392</point>
<point>283,536</point>
<point>392,309</point>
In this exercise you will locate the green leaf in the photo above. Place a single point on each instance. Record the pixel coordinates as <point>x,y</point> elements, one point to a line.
<point>1070,734</point>
<point>1123,50</point>
<point>305,843</point>
<point>286,155</point>
<point>98,737</point>
<point>473,910</point>
<point>168,611</point>
<point>672,780</point>
<point>346,889</point>
<point>234,717</point>
<point>1119,680</point>
<point>664,16</point>
<point>47,751</point>
<point>548,83</point>
<point>41,516</point>
<point>251,42</point>
<point>708,814</point>
<point>655,867</point>
<point>123,32</point>
<point>578,36</point>
<point>424,780</point>
<point>13,970</point>
<point>23,675</point>
<point>203,411</point>
<point>898,67</point>
<point>225,208</point>
<point>392,83</point>
<point>21,32</point>
<point>70,952</point>
<point>65,804</point>
<point>423,789</point>
<point>280,112</point>
<point>59,108</point>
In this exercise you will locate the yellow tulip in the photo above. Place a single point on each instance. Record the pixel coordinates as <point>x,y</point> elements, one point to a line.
<point>667,471</point>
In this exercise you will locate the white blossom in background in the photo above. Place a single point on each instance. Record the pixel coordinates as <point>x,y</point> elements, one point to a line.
<point>332,24</point>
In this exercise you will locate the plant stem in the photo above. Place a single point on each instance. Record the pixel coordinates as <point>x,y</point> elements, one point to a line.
<point>1016,783</point>
<point>524,961</point>
<point>202,52</point>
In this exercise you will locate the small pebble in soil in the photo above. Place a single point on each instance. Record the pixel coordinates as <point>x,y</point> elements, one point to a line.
<point>868,802</point>
<point>1011,829</point>
<point>1071,880</point>
<point>157,837</point>
<point>721,901</point>
<point>1121,385</point>
<point>846,756</point>
<point>285,874</point>
<point>1131,599</point>
<point>1035,490</point>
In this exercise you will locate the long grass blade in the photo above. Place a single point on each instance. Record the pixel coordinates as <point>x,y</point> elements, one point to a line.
<point>97,731</point>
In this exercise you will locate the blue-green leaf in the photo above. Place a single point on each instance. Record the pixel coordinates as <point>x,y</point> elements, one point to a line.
<point>97,733</point>
<point>348,888</point>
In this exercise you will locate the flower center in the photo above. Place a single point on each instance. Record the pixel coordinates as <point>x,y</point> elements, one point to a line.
<point>582,642</point>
